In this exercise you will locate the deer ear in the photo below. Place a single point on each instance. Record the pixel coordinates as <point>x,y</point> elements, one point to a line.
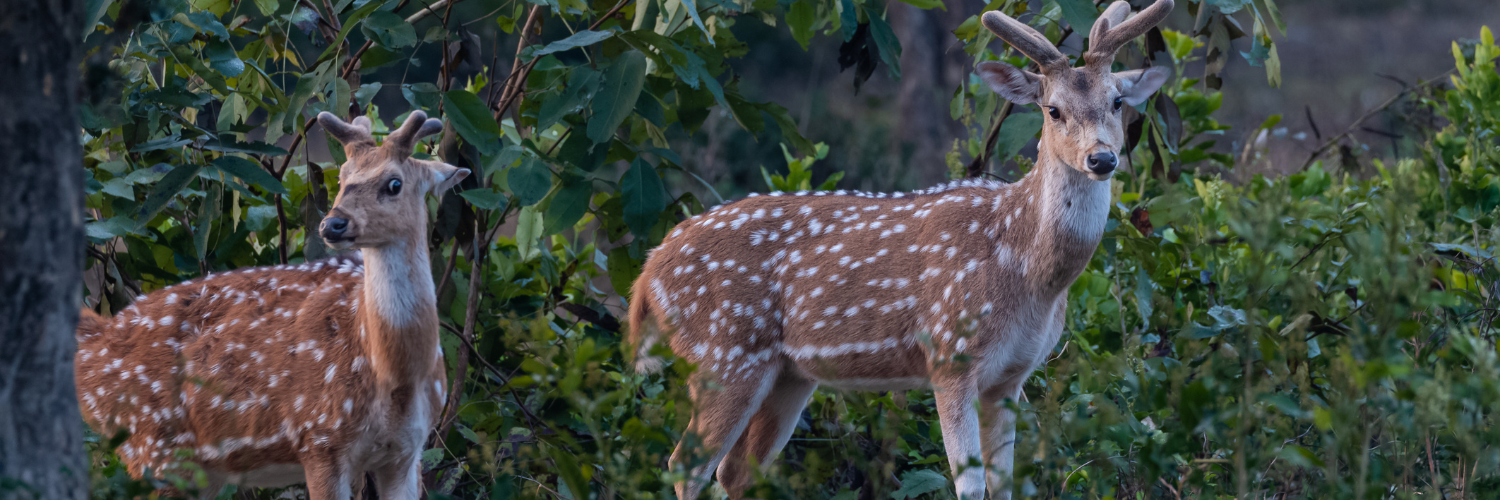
<point>1015,85</point>
<point>445,176</point>
<point>1137,85</point>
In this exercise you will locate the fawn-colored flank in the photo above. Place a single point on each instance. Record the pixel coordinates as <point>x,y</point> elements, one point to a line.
<point>317,372</point>
<point>961,287</point>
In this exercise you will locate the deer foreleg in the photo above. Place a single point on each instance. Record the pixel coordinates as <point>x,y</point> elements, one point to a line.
<point>999,435</point>
<point>961,436</point>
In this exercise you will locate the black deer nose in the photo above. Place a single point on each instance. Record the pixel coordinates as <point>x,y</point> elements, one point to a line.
<point>334,227</point>
<point>1103,163</point>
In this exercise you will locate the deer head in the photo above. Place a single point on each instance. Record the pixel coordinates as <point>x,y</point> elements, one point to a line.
<point>382,188</point>
<point>1083,127</point>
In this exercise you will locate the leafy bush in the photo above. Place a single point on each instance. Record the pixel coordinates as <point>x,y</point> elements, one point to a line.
<point>1320,335</point>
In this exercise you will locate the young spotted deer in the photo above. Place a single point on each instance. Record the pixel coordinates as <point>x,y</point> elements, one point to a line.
<point>775,295</point>
<point>314,373</point>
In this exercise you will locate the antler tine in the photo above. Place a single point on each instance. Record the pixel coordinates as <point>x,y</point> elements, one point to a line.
<point>1112,16</point>
<point>1109,34</point>
<point>1025,39</point>
<point>417,126</point>
<point>352,136</point>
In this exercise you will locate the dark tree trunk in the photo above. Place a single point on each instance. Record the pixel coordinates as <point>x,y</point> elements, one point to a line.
<point>41,250</point>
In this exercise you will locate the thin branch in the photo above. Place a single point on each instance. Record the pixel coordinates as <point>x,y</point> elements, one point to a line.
<point>1332,141</point>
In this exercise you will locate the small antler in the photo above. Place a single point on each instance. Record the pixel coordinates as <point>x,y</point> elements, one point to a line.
<point>1025,39</point>
<point>353,136</point>
<point>1113,31</point>
<point>417,126</point>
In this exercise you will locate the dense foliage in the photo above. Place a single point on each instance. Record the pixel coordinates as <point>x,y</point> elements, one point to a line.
<point>1324,335</point>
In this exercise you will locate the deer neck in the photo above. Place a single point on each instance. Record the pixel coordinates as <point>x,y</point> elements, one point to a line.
<point>1072,210</point>
<point>400,324</point>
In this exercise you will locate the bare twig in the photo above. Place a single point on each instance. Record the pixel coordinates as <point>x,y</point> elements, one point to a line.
<point>1332,141</point>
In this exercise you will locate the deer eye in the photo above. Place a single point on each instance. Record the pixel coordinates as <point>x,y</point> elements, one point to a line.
<point>393,187</point>
<point>1119,102</point>
<point>1054,113</point>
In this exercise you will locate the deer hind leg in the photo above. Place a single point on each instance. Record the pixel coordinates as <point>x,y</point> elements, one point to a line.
<point>998,426</point>
<point>327,477</point>
<point>961,435</point>
<point>767,433</point>
<point>721,409</point>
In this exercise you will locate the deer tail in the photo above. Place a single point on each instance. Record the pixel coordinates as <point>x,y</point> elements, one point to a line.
<point>90,323</point>
<point>642,335</point>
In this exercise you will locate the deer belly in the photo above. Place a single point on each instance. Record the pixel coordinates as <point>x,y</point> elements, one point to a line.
<point>883,365</point>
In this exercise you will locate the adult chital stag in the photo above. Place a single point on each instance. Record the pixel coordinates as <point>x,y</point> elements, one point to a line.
<point>314,373</point>
<point>772,296</point>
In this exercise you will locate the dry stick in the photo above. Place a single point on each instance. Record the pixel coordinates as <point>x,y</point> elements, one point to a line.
<point>1354,126</point>
<point>461,368</point>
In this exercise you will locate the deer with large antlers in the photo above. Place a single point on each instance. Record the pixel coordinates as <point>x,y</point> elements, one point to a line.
<point>961,287</point>
<point>316,373</point>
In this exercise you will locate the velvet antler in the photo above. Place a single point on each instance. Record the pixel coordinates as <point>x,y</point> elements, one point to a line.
<point>1113,31</point>
<point>1026,40</point>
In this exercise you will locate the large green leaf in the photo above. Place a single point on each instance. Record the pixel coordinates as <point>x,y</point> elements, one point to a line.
<point>1080,14</point>
<point>567,207</point>
<point>163,192</point>
<point>1018,129</point>
<point>251,173</point>
<point>926,4</point>
<point>582,38</point>
<point>583,81</point>
<point>645,197</point>
<point>616,97</point>
<point>530,181</point>
<point>389,29</point>
<point>800,20</point>
<point>919,482</point>
<point>889,45</point>
<point>472,119</point>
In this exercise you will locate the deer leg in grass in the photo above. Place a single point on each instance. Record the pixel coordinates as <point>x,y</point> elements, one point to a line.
<point>998,431</point>
<point>960,424</point>
<point>721,412</point>
<point>327,477</point>
<point>767,433</point>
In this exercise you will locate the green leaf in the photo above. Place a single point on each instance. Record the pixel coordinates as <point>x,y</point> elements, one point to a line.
<point>692,10</point>
<point>1016,132</point>
<point>528,229</point>
<point>889,45</point>
<point>800,19</point>
<point>567,207</point>
<point>918,482</point>
<point>423,95</point>
<point>530,182</point>
<point>233,146</point>
<point>207,212</point>
<point>349,24</point>
<point>390,30</point>
<point>567,467</point>
<point>623,270</point>
<point>484,199</point>
<point>583,81</point>
<point>615,99</point>
<point>848,19</point>
<point>1080,14</point>
<point>366,93</point>
<point>644,196</point>
<point>926,4</point>
<point>119,225</point>
<point>121,187</point>
<point>308,83</point>
<point>163,192</point>
<point>472,119</point>
<point>582,38</point>
<point>267,7</point>
<point>251,173</point>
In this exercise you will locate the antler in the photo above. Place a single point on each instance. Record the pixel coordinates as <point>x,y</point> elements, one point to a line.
<point>353,136</point>
<point>417,126</point>
<point>1025,39</point>
<point>1113,31</point>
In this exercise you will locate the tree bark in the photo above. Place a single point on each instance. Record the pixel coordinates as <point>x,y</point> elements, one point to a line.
<point>41,250</point>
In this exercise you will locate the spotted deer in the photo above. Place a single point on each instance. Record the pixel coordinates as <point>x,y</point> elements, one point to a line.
<point>961,287</point>
<point>316,372</point>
